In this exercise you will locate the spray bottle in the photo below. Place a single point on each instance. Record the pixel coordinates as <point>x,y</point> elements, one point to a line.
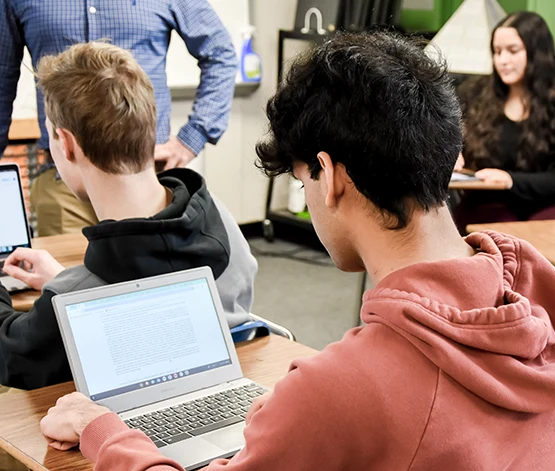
<point>251,65</point>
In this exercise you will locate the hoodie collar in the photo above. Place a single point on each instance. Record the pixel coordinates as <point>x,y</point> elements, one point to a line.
<point>465,277</point>
<point>479,319</point>
<point>472,300</point>
<point>188,233</point>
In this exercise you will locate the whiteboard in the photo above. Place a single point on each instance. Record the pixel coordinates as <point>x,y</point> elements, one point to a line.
<point>181,67</point>
<point>417,5</point>
<point>25,104</point>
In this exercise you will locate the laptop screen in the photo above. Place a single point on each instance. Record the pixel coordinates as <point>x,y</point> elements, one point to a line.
<point>151,336</point>
<point>13,226</point>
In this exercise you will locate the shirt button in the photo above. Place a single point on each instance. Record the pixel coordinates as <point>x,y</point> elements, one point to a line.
<point>92,10</point>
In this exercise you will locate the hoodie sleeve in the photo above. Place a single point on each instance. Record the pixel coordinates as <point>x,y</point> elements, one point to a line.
<point>236,283</point>
<point>111,445</point>
<point>32,354</point>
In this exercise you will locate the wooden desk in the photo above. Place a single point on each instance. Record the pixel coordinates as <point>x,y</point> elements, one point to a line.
<point>68,249</point>
<point>264,360</point>
<point>541,234</point>
<point>476,185</point>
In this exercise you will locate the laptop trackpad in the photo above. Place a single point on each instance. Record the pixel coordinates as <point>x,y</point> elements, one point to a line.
<point>205,448</point>
<point>13,285</point>
<point>193,452</point>
<point>228,438</point>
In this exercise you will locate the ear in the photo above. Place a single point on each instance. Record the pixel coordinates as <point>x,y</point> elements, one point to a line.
<point>69,143</point>
<point>335,186</point>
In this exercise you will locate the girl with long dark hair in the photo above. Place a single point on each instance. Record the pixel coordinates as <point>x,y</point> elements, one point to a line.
<point>509,120</point>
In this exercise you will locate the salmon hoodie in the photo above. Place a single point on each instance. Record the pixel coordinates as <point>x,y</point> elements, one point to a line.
<point>453,370</point>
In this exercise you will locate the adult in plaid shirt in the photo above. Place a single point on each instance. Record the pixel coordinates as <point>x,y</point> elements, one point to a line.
<point>144,27</point>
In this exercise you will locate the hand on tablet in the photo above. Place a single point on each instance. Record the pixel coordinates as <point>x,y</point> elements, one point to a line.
<point>460,163</point>
<point>33,267</point>
<point>495,175</point>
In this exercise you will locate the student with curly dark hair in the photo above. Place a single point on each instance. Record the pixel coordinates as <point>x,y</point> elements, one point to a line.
<point>510,125</point>
<point>454,367</point>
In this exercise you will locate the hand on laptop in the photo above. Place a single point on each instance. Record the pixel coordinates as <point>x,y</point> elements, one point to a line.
<point>257,405</point>
<point>34,267</point>
<point>65,422</point>
<point>173,153</point>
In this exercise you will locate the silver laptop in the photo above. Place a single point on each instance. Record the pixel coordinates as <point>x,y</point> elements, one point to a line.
<point>158,352</point>
<point>14,227</point>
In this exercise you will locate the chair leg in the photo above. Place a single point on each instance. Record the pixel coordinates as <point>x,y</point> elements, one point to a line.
<point>275,328</point>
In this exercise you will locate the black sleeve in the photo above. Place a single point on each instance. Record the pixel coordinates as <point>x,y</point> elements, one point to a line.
<point>537,187</point>
<point>32,353</point>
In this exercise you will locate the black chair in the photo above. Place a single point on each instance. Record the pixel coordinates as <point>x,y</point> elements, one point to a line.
<point>373,12</point>
<point>259,327</point>
<point>369,13</point>
<point>394,12</point>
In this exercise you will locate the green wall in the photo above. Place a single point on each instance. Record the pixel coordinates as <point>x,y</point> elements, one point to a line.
<point>545,8</point>
<point>422,20</point>
<point>514,5</point>
<point>433,20</point>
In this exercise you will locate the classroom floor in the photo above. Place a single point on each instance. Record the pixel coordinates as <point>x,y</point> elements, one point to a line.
<point>315,300</point>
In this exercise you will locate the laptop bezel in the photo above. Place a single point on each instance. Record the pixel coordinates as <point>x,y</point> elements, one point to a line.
<point>158,392</point>
<point>15,167</point>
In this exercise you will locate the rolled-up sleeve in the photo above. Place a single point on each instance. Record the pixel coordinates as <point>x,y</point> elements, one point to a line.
<point>210,43</point>
<point>11,53</point>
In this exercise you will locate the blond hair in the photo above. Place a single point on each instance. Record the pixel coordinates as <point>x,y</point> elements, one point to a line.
<point>100,94</point>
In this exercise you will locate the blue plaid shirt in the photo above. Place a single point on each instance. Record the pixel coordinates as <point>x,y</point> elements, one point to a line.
<point>140,26</point>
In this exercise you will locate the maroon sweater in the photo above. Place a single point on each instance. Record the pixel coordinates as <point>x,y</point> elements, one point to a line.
<point>454,369</point>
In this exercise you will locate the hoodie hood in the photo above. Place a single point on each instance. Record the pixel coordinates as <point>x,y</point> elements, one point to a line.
<point>486,321</point>
<point>189,233</point>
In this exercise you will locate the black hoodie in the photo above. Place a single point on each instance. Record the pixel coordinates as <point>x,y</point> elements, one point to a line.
<point>194,230</point>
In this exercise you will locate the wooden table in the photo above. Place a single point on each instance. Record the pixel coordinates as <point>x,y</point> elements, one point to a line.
<point>265,360</point>
<point>68,249</point>
<point>541,234</point>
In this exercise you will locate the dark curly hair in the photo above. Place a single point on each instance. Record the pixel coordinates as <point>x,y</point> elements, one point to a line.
<point>376,103</point>
<point>484,101</point>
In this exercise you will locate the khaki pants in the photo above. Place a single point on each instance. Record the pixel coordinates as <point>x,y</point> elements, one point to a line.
<point>58,211</point>
<point>7,463</point>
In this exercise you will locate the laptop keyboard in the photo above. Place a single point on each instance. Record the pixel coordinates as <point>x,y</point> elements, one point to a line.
<point>203,415</point>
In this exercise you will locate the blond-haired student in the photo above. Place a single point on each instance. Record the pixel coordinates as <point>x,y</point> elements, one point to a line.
<point>101,120</point>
